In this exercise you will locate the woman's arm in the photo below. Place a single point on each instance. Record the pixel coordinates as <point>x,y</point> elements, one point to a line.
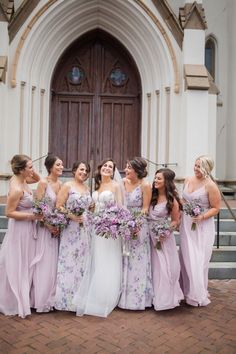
<point>118,194</point>
<point>41,189</point>
<point>62,195</point>
<point>13,200</point>
<point>34,179</point>
<point>214,201</point>
<point>147,195</point>
<point>175,215</point>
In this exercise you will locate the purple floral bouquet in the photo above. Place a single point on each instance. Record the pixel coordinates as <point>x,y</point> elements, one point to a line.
<point>51,216</point>
<point>77,206</point>
<point>161,228</point>
<point>193,208</point>
<point>42,207</point>
<point>57,219</point>
<point>115,221</point>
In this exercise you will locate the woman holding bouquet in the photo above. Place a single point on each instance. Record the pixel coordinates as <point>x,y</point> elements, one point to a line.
<point>137,290</point>
<point>18,248</point>
<point>196,242</point>
<point>165,203</point>
<point>74,251</point>
<point>105,284</point>
<point>47,238</point>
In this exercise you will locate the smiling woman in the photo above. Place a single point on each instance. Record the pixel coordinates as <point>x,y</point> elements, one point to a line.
<point>196,243</point>
<point>105,283</point>
<point>18,249</point>
<point>74,252</point>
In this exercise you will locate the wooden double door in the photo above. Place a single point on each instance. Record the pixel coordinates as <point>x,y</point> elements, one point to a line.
<point>95,103</point>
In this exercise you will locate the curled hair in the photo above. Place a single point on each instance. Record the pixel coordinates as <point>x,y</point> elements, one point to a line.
<point>170,190</point>
<point>139,165</point>
<point>18,163</point>
<point>49,162</point>
<point>206,165</point>
<point>97,175</point>
<point>76,165</point>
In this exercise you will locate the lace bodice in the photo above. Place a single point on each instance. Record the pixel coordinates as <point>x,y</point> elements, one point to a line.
<point>102,199</point>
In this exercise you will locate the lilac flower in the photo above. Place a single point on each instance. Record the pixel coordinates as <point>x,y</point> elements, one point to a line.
<point>77,206</point>
<point>161,228</point>
<point>193,208</point>
<point>115,221</point>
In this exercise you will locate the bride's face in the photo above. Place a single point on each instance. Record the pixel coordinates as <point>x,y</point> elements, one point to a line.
<point>107,169</point>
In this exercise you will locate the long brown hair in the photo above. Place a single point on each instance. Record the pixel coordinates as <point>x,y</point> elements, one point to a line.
<point>97,175</point>
<point>170,190</point>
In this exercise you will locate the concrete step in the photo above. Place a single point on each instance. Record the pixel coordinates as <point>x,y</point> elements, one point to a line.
<point>2,209</point>
<point>224,254</point>
<point>222,270</point>
<point>225,213</point>
<point>3,222</point>
<point>227,225</point>
<point>225,239</point>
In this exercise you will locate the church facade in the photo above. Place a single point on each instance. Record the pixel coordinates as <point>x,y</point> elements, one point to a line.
<point>88,79</point>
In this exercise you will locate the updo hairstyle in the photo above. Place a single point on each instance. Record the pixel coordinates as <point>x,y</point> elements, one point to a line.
<point>139,165</point>
<point>18,163</point>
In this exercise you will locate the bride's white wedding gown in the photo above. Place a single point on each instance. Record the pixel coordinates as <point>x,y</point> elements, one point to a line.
<point>105,283</point>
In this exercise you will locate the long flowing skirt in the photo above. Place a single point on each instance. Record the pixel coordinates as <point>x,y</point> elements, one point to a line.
<point>45,274</point>
<point>165,275</point>
<point>195,253</point>
<point>16,270</point>
<point>105,284</point>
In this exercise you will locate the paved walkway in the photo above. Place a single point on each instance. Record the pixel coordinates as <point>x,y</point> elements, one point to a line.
<point>185,330</point>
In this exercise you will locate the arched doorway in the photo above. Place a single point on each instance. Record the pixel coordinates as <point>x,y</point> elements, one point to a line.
<point>95,102</point>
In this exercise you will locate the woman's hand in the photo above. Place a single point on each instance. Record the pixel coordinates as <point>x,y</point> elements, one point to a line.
<point>92,207</point>
<point>36,217</point>
<point>55,231</point>
<point>198,218</point>
<point>78,219</point>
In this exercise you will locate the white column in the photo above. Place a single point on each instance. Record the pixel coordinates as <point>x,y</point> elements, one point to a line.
<point>231,123</point>
<point>195,103</point>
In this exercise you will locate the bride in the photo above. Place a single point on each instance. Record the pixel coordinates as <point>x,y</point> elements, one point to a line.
<point>105,283</point>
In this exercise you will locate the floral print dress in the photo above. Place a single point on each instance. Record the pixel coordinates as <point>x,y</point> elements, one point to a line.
<point>137,290</point>
<point>74,259</point>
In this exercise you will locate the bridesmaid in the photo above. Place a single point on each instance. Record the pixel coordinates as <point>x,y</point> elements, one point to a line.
<point>137,279</point>
<point>47,246</point>
<point>165,262</point>
<point>18,249</point>
<point>196,245</point>
<point>74,251</point>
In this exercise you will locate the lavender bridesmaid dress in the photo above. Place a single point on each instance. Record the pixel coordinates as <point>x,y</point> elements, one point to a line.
<point>137,290</point>
<point>74,261</point>
<point>195,251</point>
<point>165,266</point>
<point>45,261</point>
<point>16,256</point>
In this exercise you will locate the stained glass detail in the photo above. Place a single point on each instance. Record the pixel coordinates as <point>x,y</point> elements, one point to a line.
<point>76,75</point>
<point>118,77</point>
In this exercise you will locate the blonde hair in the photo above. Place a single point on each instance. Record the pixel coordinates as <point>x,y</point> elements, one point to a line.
<point>206,165</point>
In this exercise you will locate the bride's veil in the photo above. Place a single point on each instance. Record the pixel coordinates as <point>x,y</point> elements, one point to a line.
<point>117,177</point>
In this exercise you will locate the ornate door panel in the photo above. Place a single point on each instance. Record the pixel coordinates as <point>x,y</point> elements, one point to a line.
<point>95,110</point>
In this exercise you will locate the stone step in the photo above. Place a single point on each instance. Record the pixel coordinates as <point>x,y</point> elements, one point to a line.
<point>224,254</point>
<point>3,222</point>
<point>225,239</point>
<point>2,209</point>
<point>222,270</point>
<point>227,225</point>
<point>225,213</point>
